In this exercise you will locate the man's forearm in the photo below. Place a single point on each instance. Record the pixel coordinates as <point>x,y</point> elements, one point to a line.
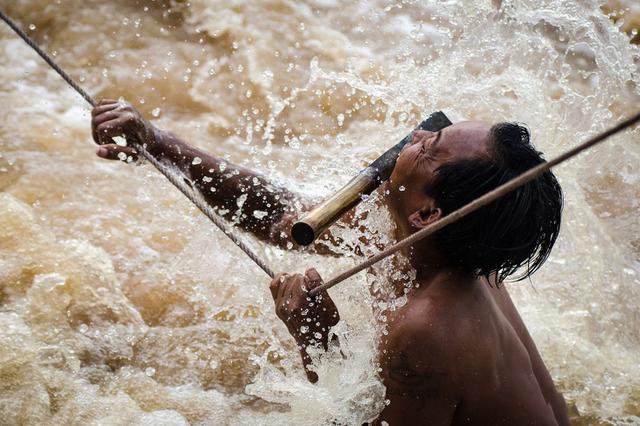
<point>238,194</point>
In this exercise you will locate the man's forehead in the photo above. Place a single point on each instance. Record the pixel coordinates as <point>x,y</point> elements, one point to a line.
<point>473,135</point>
<point>468,130</point>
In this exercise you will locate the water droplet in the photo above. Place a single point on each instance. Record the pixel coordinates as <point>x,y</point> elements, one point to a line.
<point>340,119</point>
<point>259,214</point>
<point>32,27</point>
<point>119,140</point>
<point>122,156</point>
<point>196,161</point>
<point>83,328</point>
<point>150,371</point>
<point>402,188</point>
<point>304,329</point>
<point>241,199</point>
<point>156,112</point>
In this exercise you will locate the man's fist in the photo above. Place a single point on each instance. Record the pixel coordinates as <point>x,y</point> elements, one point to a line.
<point>111,119</point>
<point>307,317</point>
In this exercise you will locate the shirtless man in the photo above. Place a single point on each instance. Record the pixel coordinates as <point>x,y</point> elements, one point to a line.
<point>457,352</point>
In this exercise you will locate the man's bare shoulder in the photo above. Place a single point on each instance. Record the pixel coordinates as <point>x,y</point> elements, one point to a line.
<point>429,335</point>
<point>434,328</point>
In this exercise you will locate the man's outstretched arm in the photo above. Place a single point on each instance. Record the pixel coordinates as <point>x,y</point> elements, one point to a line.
<point>240,195</point>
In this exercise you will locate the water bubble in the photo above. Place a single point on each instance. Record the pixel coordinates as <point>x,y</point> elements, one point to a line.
<point>83,328</point>
<point>120,140</point>
<point>32,27</point>
<point>259,214</point>
<point>122,156</point>
<point>304,329</point>
<point>402,188</point>
<point>156,112</point>
<point>196,161</point>
<point>340,119</point>
<point>150,371</point>
<point>241,200</point>
<point>207,179</point>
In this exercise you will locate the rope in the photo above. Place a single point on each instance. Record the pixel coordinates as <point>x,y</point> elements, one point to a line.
<point>175,180</point>
<point>474,205</point>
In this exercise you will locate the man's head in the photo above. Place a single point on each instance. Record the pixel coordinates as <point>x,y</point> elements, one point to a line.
<point>440,172</point>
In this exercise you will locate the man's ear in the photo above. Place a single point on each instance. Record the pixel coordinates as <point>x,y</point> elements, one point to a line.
<point>428,214</point>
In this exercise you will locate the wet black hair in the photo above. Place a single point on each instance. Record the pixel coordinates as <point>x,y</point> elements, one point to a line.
<point>518,229</point>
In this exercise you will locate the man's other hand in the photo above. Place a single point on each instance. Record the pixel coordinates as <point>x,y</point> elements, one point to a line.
<point>307,317</point>
<point>110,119</point>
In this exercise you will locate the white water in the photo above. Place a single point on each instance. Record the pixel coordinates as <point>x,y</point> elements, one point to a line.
<point>120,304</point>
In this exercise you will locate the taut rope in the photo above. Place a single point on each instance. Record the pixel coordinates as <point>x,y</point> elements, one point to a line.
<point>474,205</point>
<point>175,180</point>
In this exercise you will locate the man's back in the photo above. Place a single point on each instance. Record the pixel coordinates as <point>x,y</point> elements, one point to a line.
<point>452,356</point>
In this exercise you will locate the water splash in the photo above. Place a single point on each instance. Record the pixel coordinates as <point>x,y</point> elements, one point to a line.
<point>97,290</point>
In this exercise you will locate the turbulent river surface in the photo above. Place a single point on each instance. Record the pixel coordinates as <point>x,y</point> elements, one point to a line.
<point>120,304</point>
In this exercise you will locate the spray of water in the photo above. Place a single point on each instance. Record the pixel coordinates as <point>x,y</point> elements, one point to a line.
<point>120,305</point>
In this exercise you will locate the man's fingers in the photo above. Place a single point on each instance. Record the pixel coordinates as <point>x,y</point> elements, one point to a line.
<point>111,128</point>
<point>313,278</point>
<point>282,288</point>
<point>103,108</point>
<point>275,284</point>
<point>106,116</point>
<point>107,101</point>
<point>116,152</point>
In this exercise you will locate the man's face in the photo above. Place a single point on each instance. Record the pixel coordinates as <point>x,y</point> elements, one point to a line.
<point>427,151</point>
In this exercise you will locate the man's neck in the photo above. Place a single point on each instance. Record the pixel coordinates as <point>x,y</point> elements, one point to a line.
<point>429,274</point>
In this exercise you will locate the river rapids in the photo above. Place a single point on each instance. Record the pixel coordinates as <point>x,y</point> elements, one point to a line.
<point>121,305</point>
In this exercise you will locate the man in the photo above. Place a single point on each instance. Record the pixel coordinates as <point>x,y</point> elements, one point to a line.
<point>457,352</point>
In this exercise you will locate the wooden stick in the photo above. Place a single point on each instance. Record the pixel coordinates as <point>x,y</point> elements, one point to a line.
<point>482,201</point>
